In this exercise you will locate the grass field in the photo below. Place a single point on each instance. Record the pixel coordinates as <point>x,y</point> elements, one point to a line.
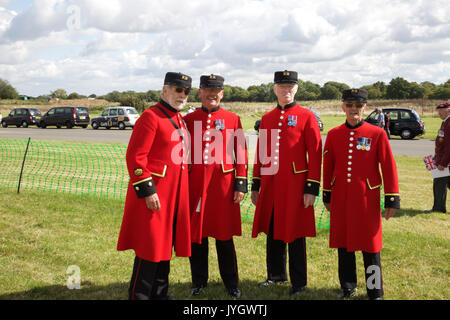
<point>42,234</point>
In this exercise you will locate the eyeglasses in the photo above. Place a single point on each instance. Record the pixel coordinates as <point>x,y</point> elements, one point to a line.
<point>180,90</point>
<point>358,105</point>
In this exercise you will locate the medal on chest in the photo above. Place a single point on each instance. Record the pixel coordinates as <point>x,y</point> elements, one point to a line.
<point>220,124</point>
<point>292,121</point>
<point>363,144</point>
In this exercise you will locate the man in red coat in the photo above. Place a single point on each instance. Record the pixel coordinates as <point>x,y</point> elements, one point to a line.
<point>351,192</point>
<point>442,158</point>
<point>286,179</point>
<point>156,216</point>
<point>218,182</point>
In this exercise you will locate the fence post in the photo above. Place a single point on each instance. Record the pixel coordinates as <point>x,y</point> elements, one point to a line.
<point>23,163</point>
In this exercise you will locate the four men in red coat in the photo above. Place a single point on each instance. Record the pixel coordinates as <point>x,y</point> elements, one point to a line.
<point>353,153</point>
<point>217,184</point>
<point>163,210</point>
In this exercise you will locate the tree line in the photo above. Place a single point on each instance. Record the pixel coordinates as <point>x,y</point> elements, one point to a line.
<point>397,88</point>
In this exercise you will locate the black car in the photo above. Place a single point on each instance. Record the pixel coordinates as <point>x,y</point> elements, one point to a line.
<point>66,116</point>
<point>403,122</point>
<point>22,117</point>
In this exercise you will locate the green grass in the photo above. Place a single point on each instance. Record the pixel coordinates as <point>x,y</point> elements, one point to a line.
<point>42,234</point>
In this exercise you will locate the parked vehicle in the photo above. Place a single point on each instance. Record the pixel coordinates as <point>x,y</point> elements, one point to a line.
<point>22,117</point>
<point>120,117</point>
<point>403,122</point>
<point>66,116</point>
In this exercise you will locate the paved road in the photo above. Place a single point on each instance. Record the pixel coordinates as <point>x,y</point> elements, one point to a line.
<point>416,147</point>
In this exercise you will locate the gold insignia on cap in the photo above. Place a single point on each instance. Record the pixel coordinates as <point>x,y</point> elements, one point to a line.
<point>138,172</point>
<point>212,76</point>
<point>392,199</point>
<point>286,73</point>
<point>184,78</point>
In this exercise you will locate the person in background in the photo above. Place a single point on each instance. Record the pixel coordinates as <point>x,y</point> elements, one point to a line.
<point>442,159</point>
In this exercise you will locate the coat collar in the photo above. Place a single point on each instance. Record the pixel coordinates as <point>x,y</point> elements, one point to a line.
<point>290,105</point>
<point>212,110</point>
<point>167,106</point>
<point>354,127</point>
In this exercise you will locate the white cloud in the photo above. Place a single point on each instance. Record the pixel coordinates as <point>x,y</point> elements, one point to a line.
<point>104,45</point>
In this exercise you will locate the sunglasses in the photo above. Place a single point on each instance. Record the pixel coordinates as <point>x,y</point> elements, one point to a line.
<point>180,90</point>
<point>358,105</point>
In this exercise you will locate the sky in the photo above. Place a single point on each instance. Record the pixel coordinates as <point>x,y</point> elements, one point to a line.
<point>97,46</point>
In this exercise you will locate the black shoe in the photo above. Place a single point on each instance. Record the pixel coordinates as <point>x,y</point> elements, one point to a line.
<point>429,211</point>
<point>235,293</point>
<point>347,293</point>
<point>197,290</point>
<point>297,290</point>
<point>269,282</point>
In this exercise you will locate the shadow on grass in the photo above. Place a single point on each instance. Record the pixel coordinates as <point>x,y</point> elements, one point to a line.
<point>180,291</point>
<point>408,212</point>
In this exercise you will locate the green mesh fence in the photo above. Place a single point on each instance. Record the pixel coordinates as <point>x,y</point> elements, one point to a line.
<point>94,169</point>
<point>86,169</point>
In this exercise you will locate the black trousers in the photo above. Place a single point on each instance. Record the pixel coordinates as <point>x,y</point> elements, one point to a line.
<point>440,186</point>
<point>226,256</point>
<point>276,257</point>
<point>372,267</point>
<point>149,281</point>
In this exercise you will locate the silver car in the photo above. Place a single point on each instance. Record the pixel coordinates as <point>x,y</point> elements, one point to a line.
<point>120,117</point>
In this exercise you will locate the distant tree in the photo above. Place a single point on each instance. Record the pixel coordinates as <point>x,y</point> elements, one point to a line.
<point>239,94</point>
<point>330,92</point>
<point>133,101</point>
<point>416,91</point>
<point>429,87</point>
<point>92,95</point>
<point>398,88</point>
<point>307,91</point>
<point>113,96</point>
<point>74,95</point>
<point>7,91</point>
<point>338,85</point>
<point>193,95</point>
<point>59,94</point>
<point>441,92</point>
<point>153,95</point>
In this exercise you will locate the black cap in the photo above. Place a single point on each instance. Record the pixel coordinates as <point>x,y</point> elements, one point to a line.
<point>443,105</point>
<point>285,77</point>
<point>178,79</point>
<point>355,95</point>
<point>211,81</point>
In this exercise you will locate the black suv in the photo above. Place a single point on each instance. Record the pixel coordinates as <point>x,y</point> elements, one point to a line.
<point>22,117</point>
<point>403,122</point>
<point>66,116</point>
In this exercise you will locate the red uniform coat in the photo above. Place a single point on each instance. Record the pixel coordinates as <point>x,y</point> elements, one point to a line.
<point>294,152</point>
<point>218,169</point>
<point>156,159</point>
<point>442,149</point>
<point>352,181</point>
